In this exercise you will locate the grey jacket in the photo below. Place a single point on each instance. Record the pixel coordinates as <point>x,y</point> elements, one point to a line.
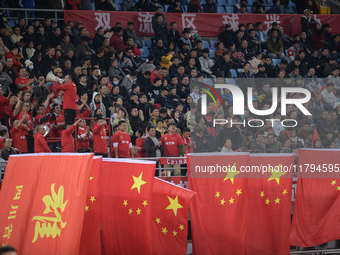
<point>5,81</point>
<point>116,72</point>
<point>206,65</point>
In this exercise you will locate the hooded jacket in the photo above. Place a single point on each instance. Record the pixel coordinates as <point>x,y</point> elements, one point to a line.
<point>94,107</point>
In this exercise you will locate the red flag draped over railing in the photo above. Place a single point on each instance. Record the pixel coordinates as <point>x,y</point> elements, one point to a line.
<point>42,202</point>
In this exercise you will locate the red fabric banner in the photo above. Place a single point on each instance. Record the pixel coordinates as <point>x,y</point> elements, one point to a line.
<point>169,218</point>
<point>42,202</point>
<point>218,210</point>
<point>170,161</point>
<point>90,237</point>
<point>206,25</point>
<point>269,205</point>
<point>317,204</point>
<point>125,206</point>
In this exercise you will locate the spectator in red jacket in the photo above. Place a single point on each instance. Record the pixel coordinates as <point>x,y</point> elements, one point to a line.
<point>40,144</point>
<point>117,40</point>
<point>100,129</point>
<point>12,112</point>
<point>74,3</point>
<point>173,146</point>
<point>3,103</point>
<point>22,82</point>
<point>156,73</point>
<point>69,100</point>
<point>13,52</point>
<point>84,134</point>
<point>67,142</point>
<point>130,43</point>
<point>122,142</point>
<point>18,135</point>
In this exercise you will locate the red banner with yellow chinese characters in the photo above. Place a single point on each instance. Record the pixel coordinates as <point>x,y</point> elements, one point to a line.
<point>90,237</point>
<point>42,202</point>
<point>169,219</point>
<point>125,206</point>
<point>205,24</point>
<point>269,204</point>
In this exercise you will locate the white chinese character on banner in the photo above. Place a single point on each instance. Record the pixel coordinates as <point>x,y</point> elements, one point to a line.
<point>145,20</point>
<point>317,19</point>
<point>188,21</point>
<point>233,20</point>
<point>270,20</point>
<point>103,20</point>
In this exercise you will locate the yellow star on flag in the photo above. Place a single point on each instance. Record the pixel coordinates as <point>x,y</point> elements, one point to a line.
<point>338,188</point>
<point>145,202</point>
<point>222,201</point>
<point>86,208</point>
<point>262,194</point>
<point>333,182</point>
<point>276,174</point>
<point>231,173</point>
<point>4,245</point>
<point>91,178</point>
<point>92,199</point>
<point>277,200</point>
<point>138,211</point>
<point>181,227</point>
<point>158,220</point>
<point>284,192</point>
<point>130,211</point>
<point>125,203</point>
<point>239,191</point>
<point>267,201</point>
<point>174,232</point>
<point>217,194</point>
<point>138,182</point>
<point>231,200</point>
<point>174,205</point>
<point>164,230</point>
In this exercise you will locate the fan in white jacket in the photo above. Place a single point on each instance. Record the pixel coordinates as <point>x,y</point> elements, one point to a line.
<point>206,63</point>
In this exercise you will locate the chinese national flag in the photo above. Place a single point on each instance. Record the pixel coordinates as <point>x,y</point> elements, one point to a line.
<point>317,205</point>
<point>169,218</point>
<point>90,237</point>
<point>218,210</point>
<point>42,202</point>
<point>269,204</point>
<point>315,137</point>
<point>125,206</point>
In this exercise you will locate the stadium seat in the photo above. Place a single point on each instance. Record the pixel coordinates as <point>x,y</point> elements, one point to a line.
<point>203,2</point>
<point>205,44</point>
<point>93,6</point>
<point>220,9</point>
<point>209,81</point>
<point>222,2</point>
<point>249,9</point>
<point>265,51</point>
<point>321,81</point>
<point>117,6</point>
<point>166,7</point>
<point>239,70</point>
<point>145,53</point>
<point>251,2</point>
<point>212,44</point>
<point>230,80</point>
<point>185,8</point>
<point>212,53</point>
<point>233,73</point>
<point>231,2</point>
<point>147,44</point>
<point>276,61</point>
<point>229,9</point>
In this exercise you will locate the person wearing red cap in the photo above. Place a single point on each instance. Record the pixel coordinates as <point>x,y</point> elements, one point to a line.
<point>67,143</point>
<point>40,144</point>
<point>70,99</point>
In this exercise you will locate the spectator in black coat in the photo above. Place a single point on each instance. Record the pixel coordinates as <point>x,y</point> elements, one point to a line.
<point>55,37</point>
<point>227,35</point>
<point>161,31</point>
<point>175,7</point>
<point>98,58</point>
<point>153,147</point>
<point>222,66</point>
<point>173,34</point>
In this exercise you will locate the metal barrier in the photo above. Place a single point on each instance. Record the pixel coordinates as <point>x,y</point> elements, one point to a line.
<point>58,14</point>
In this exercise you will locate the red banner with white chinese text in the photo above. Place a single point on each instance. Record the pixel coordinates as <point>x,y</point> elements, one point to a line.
<point>206,24</point>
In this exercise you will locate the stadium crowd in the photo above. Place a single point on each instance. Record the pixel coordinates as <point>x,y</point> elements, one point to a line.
<point>60,76</point>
